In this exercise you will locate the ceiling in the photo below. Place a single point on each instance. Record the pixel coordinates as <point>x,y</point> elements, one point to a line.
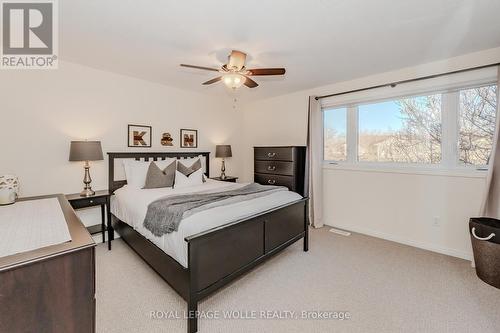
<point>318,41</point>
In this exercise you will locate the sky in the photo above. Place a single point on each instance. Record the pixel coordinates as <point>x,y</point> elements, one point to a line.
<point>383,117</point>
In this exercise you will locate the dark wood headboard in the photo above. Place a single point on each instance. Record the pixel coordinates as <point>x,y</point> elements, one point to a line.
<point>116,184</point>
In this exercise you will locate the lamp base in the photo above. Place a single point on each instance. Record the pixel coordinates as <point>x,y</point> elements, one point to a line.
<point>87,190</point>
<point>223,170</point>
<point>87,193</point>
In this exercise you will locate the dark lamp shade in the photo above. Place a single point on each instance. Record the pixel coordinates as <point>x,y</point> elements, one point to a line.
<point>223,151</point>
<point>85,151</point>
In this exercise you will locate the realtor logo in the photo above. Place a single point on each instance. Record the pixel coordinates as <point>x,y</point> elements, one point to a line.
<point>29,34</point>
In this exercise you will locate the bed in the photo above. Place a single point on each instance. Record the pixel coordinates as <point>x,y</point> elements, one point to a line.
<point>213,247</point>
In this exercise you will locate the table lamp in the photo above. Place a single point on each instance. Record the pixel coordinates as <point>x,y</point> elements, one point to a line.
<point>86,151</point>
<point>223,151</point>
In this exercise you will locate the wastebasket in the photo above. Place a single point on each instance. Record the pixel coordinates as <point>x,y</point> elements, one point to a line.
<point>485,237</point>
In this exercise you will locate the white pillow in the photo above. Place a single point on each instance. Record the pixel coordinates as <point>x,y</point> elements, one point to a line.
<point>181,181</point>
<point>136,171</point>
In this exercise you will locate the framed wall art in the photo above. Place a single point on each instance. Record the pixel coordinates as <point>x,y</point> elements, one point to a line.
<point>189,138</point>
<point>139,136</point>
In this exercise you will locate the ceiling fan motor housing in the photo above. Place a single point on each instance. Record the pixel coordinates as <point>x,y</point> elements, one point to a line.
<point>236,60</point>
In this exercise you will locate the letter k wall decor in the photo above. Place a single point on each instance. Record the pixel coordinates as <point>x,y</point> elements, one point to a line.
<point>139,136</point>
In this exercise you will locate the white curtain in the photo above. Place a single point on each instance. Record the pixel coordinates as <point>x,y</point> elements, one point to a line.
<point>491,200</point>
<point>314,178</point>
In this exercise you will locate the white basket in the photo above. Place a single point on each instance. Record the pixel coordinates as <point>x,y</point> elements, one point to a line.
<point>10,182</point>
<point>9,189</point>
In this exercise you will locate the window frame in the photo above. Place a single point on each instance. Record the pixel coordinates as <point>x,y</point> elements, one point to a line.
<point>323,133</point>
<point>450,159</point>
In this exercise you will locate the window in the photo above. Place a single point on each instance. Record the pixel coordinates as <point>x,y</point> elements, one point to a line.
<point>476,124</point>
<point>405,130</point>
<point>453,129</point>
<point>335,131</point>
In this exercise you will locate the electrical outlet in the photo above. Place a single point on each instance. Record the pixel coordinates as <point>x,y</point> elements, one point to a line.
<point>436,222</point>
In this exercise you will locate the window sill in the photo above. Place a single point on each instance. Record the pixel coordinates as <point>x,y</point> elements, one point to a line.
<point>410,170</point>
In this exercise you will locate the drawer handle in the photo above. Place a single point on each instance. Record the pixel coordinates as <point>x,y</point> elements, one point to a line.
<point>271,181</point>
<point>271,154</point>
<point>271,167</point>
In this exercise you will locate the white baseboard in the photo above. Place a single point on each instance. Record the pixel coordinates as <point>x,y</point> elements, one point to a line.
<point>420,245</point>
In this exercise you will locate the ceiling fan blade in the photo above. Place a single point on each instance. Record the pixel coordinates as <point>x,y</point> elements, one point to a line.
<point>266,71</point>
<point>200,67</point>
<point>236,60</point>
<point>249,82</point>
<point>217,79</point>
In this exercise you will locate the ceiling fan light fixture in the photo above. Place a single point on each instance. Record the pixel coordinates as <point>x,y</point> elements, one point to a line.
<point>233,81</point>
<point>234,74</point>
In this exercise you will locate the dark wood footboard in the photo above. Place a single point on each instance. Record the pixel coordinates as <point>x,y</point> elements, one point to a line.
<point>235,246</point>
<point>218,256</point>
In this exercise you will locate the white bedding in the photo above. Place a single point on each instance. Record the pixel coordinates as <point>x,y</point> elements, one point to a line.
<point>130,206</point>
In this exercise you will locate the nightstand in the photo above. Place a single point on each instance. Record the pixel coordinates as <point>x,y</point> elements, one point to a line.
<point>101,198</point>
<point>228,179</point>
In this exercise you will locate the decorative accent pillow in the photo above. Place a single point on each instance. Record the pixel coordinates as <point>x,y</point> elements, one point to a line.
<point>190,160</point>
<point>136,171</point>
<point>195,178</point>
<point>157,178</point>
<point>186,171</point>
<point>162,164</point>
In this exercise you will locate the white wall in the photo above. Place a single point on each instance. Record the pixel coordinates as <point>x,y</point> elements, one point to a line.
<point>42,111</point>
<point>396,206</point>
<point>403,207</point>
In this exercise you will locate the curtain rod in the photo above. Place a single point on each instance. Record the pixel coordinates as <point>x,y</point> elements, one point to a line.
<point>394,84</point>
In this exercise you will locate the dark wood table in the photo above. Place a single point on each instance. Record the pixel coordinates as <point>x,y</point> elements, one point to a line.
<point>51,289</point>
<point>102,199</point>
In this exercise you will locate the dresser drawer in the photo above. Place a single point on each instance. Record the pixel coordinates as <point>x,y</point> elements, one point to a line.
<point>274,180</point>
<point>274,167</point>
<point>274,153</point>
<point>88,202</point>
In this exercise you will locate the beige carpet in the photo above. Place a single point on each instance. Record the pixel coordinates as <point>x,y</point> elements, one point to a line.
<point>385,286</point>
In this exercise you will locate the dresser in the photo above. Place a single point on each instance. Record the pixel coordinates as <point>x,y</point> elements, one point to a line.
<point>280,165</point>
<point>52,288</point>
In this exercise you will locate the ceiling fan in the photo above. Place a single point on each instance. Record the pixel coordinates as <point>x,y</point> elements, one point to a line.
<point>235,74</point>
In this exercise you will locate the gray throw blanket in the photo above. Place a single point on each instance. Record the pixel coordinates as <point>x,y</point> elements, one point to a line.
<point>165,214</point>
